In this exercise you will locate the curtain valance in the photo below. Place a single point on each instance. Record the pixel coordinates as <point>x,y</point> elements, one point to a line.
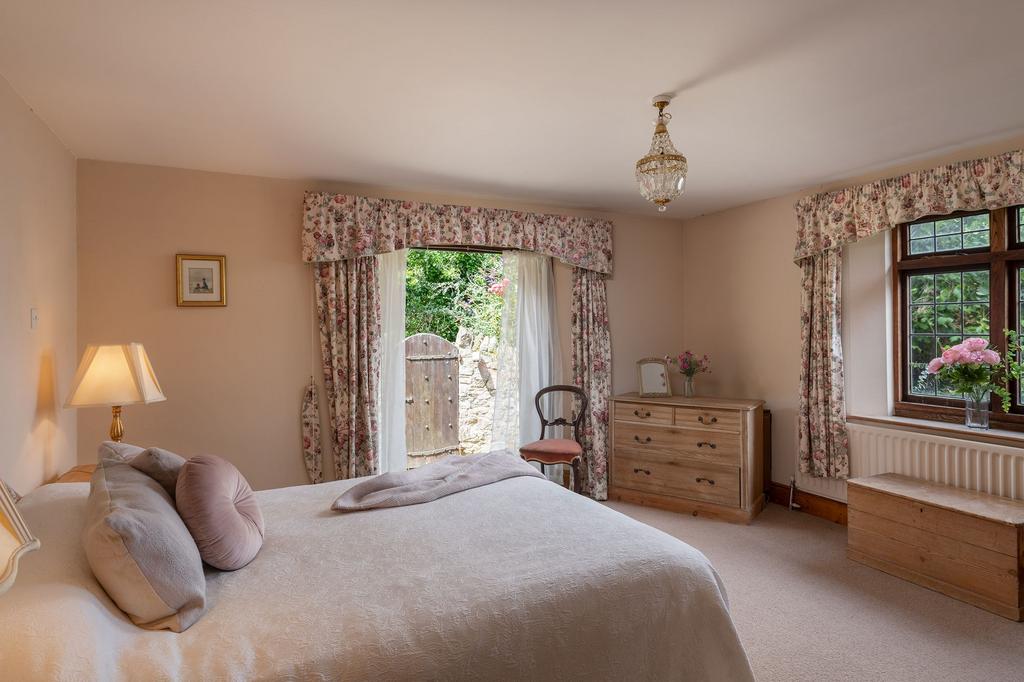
<point>340,226</point>
<point>831,219</point>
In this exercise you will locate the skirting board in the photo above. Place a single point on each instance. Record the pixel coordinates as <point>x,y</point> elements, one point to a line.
<point>815,505</point>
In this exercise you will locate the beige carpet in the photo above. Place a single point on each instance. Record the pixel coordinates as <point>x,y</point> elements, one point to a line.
<point>805,612</point>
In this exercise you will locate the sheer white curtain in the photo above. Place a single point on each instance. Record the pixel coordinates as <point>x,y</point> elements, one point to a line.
<point>528,349</point>
<point>392,364</point>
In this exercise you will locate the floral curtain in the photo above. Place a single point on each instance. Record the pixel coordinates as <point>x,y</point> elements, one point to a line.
<point>831,220</point>
<point>592,371</point>
<point>823,442</point>
<point>348,308</point>
<point>312,453</point>
<point>339,226</point>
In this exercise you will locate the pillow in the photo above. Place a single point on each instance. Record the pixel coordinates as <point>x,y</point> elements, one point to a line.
<point>121,451</point>
<point>220,510</point>
<point>163,466</point>
<point>140,550</point>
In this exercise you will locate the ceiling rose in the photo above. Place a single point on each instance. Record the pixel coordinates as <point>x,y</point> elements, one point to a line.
<point>662,173</point>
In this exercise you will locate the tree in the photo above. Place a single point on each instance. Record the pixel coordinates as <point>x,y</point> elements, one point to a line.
<point>448,289</point>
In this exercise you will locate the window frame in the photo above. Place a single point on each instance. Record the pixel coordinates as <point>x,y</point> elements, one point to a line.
<point>1004,258</point>
<point>904,231</point>
<point>1013,217</point>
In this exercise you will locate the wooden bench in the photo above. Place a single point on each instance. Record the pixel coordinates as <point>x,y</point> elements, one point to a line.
<point>965,544</point>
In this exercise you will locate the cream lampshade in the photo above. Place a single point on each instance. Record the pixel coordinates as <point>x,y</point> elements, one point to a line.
<point>15,538</point>
<point>116,376</point>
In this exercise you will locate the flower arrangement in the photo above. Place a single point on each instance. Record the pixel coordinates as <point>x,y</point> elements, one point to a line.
<point>690,365</point>
<point>973,369</point>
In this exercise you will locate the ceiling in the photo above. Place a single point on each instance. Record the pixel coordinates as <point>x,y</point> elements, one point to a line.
<point>546,101</point>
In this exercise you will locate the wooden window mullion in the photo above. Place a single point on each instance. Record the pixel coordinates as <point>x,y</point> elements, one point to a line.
<point>998,289</point>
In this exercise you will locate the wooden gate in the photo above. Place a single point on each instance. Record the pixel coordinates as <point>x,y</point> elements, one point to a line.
<point>431,398</point>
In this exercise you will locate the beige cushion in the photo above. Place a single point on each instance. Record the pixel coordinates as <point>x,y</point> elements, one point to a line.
<point>217,504</point>
<point>140,550</point>
<point>163,466</point>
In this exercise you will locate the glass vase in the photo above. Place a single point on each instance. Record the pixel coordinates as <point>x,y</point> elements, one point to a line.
<point>688,390</point>
<point>976,412</point>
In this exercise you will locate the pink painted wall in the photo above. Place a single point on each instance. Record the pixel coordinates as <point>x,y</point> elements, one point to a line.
<point>234,376</point>
<point>37,270</point>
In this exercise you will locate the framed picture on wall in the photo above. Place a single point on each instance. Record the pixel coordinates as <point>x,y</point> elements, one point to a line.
<point>202,280</point>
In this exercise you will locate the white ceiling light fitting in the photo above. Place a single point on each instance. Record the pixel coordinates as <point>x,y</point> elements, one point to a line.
<point>662,173</point>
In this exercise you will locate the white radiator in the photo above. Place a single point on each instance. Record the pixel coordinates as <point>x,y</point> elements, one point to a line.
<point>995,469</point>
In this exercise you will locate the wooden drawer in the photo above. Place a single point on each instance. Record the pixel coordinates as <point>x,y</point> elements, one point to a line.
<point>639,412</point>
<point>935,520</point>
<point>666,443</point>
<point>680,478</point>
<point>708,418</point>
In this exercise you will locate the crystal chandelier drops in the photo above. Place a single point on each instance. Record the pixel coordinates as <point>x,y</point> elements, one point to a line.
<point>662,173</point>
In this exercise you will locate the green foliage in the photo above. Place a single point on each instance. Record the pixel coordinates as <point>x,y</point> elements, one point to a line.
<point>448,289</point>
<point>1013,358</point>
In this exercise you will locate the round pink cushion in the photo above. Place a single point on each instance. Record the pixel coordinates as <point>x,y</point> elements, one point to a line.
<point>219,508</point>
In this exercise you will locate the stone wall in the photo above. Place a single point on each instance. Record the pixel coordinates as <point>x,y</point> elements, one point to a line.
<point>478,372</point>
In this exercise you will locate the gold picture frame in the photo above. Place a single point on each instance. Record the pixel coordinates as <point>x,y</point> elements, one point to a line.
<point>202,280</point>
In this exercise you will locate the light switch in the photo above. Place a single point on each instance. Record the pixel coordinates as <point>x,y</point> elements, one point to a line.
<point>33,318</point>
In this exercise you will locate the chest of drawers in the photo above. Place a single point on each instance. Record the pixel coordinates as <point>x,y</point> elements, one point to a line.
<point>696,455</point>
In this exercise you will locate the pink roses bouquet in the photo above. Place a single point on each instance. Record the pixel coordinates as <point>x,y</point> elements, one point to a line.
<point>971,368</point>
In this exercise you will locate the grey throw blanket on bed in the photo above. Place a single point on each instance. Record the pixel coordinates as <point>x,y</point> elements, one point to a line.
<point>432,481</point>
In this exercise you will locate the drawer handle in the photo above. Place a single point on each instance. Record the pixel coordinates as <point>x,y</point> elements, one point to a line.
<point>645,440</point>
<point>642,415</point>
<point>644,471</point>
<point>705,443</point>
<point>712,420</point>
<point>709,481</point>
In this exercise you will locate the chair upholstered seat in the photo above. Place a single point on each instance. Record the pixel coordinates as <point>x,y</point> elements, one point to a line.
<point>552,451</point>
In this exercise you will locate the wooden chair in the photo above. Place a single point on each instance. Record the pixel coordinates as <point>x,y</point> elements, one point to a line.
<point>548,451</point>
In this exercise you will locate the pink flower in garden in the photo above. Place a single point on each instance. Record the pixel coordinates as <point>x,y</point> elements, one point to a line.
<point>935,365</point>
<point>975,344</point>
<point>498,288</point>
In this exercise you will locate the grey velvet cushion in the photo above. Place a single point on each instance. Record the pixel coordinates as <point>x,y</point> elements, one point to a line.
<point>218,506</point>
<point>163,466</point>
<point>139,549</point>
<point>122,451</point>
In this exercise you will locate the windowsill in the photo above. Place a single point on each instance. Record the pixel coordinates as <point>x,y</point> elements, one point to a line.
<point>1013,439</point>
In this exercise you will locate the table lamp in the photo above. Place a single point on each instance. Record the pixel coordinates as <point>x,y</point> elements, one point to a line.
<point>116,375</point>
<point>15,538</point>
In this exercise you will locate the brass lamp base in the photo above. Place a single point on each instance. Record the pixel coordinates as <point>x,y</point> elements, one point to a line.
<point>116,425</point>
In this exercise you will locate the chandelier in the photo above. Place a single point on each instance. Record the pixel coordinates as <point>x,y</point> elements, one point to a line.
<point>662,173</point>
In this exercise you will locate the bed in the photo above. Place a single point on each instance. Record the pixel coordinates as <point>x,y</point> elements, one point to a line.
<point>520,579</point>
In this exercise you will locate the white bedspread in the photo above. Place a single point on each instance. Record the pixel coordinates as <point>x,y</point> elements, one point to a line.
<point>516,580</point>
